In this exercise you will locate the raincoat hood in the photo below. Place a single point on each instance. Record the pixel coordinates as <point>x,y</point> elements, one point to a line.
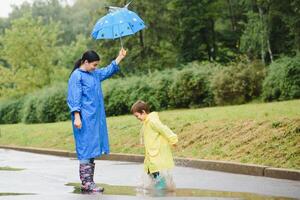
<point>152,116</point>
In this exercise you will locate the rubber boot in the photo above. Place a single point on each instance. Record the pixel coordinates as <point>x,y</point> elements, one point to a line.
<point>86,172</point>
<point>160,183</point>
<point>100,189</point>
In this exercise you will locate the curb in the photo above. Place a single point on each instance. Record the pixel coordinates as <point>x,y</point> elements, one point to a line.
<point>223,166</point>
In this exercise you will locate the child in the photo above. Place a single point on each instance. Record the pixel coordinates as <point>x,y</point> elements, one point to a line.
<point>85,100</point>
<point>157,140</point>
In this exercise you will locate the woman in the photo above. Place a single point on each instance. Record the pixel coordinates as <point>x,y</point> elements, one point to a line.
<point>85,100</point>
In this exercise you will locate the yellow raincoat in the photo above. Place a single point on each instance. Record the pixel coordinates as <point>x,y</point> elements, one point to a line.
<point>157,140</point>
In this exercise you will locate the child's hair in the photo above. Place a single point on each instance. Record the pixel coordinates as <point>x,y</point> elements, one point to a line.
<point>139,106</point>
<point>90,56</point>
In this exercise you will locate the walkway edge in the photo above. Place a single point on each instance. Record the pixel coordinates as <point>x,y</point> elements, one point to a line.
<point>223,166</point>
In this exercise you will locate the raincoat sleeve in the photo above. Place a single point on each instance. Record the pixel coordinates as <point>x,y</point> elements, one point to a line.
<point>74,93</point>
<point>164,130</point>
<point>108,71</point>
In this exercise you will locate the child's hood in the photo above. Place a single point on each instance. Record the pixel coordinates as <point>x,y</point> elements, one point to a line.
<point>153,116</point>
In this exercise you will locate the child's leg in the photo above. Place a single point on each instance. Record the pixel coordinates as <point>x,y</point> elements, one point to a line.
<point>155,174</point>
<point>159,181</point>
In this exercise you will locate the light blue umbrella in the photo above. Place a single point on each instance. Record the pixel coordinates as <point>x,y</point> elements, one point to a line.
<point>119,22</point>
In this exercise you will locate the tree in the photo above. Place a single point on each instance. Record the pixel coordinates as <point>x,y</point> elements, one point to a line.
<point>253,40</point>
<point>150,49</point>
<point>29,48</point>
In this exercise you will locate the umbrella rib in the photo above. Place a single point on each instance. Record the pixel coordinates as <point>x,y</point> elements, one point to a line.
<point>128,23</point>
<point>131,28</point>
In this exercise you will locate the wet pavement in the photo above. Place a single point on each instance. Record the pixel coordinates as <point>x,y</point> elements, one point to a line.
<point>45,177</point>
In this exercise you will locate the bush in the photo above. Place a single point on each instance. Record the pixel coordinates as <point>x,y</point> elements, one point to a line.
<point>116,97</point>
<point>120,94</point>
<point>52,105</point>
<point>10,111</point>
<point>239,83</point>
<point>145,90</point>
<point>161,90</point>
<point>161,83</point>
<point>283,79</point>
<point>192,86</point>
<point>30,110</point>
<point>172,88</point>
<point>47,105</point>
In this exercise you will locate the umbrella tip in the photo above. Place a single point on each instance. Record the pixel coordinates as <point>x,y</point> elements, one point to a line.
<point>112,8</point>
<point>126,6</point>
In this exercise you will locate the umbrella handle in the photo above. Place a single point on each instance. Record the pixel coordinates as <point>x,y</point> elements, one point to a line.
<point>121,42</point>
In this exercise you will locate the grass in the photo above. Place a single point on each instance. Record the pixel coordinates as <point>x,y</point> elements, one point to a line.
<point>179,192</point>
<point>257,133</point>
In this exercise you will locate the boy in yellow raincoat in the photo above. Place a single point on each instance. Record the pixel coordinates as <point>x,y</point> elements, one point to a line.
<point>157,140</point>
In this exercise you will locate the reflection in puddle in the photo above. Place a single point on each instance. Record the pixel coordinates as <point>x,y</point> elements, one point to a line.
<point>179,192</point>
<point>7,168</point>
<point>14,194</point>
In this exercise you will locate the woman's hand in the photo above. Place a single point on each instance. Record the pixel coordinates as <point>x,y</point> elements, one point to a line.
<point>122,54</point>
<point>77,121</point>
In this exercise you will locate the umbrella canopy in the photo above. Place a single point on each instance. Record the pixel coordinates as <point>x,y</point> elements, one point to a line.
<point>118,23</point>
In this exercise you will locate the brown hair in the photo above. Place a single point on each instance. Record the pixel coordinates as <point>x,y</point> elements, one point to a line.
<point>139,106</point>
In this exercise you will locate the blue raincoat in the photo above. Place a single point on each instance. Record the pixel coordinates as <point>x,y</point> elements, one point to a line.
<point>85,96</point>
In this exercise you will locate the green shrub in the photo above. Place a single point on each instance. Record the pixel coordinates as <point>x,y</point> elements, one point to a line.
<point>116,97</point>
<point>47,105</point>
<point>52,105</point>
<point>10,111</point>
<point>191,86</point>
<point>283,79</point>
<point>30,110</point>
<point>161,83</point>
<point>144,89</point>
<point>239,83</point>
<point>171,88</point>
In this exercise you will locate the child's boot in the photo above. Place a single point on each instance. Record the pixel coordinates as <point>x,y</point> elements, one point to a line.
<point>160,183</point>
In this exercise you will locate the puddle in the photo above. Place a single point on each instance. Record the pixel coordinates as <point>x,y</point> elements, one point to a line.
<point>14,194</point>
<point>7,168</point>
<point>179,192</point>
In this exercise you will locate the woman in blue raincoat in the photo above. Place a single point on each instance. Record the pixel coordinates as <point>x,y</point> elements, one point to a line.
<point>85,100</point>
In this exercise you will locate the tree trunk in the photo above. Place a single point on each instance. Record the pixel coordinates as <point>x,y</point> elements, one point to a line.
<point>141,38</point>
<point>214,47</point>
<point>232,18</point>
<point>263,34</point>
<point>270,50</point>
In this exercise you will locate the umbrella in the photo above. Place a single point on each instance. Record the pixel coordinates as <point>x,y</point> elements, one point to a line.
<point>119,22</point>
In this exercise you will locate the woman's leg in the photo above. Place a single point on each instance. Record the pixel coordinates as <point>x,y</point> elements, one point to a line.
<point>86,171</point>
<point>92,163</point>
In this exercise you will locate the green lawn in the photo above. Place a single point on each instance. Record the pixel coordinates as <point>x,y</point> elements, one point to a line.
<point>263,133</point>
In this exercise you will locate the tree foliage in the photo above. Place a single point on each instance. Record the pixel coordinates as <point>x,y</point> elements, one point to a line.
<point>29,49</point>
<point>40,42</point>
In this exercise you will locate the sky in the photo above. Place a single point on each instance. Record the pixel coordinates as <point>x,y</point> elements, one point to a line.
<point>5,5</point>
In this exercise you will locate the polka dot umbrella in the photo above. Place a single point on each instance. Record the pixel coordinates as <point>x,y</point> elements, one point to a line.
<point>119,22</point>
